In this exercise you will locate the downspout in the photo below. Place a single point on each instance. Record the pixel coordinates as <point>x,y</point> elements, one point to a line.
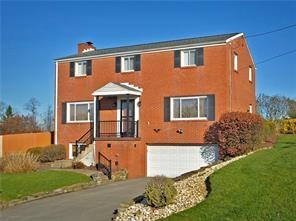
<point>56,104</point>
<point>230,77</point>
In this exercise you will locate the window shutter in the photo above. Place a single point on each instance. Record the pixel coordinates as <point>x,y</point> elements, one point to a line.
<point>72,69</point>
<point>177,59</point>
<point>137,63</point>
<point>211,107</point>
<point>88,67</point>
<point>118,64</point>
<point>64,113</point>
<point>199,56</point>
<point>167,107</point>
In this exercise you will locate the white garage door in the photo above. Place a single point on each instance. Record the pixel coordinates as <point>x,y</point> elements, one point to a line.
<point>172,161</point>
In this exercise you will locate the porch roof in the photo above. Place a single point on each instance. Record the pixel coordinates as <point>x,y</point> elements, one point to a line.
<point>118,89</point>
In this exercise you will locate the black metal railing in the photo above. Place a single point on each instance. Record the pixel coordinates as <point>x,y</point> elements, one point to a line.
<point>85,140</point>
<point>104,165</point>
<point>121,128</point>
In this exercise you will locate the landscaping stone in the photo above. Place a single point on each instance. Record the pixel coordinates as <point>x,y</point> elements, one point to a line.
<point>99,178</point>
<point>62,164</point>
<point>119,175</point>
<point>191,191</point>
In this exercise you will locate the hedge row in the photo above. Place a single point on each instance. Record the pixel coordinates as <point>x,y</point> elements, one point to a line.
<point>288,126</point>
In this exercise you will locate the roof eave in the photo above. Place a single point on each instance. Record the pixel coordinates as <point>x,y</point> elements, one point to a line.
<point>205,44</point>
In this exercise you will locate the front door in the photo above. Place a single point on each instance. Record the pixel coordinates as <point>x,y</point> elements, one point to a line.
<point>127,121</point>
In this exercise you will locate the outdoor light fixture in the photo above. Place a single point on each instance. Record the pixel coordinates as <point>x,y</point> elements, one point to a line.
<point>156,130</point>
<point>179,131</point>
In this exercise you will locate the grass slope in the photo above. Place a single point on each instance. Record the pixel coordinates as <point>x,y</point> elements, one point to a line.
<point>259,187</point>
<point>13,186</point>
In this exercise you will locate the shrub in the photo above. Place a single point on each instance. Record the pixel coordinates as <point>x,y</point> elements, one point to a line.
<point>288,126</point>
<point>49,153</point>
<point>19,163</point>
<point>269,130</point>
<point>78,165</point>
<point>236,133</point>
<point>53,152</point>
<point>160,191</point>
<point>36,151</point>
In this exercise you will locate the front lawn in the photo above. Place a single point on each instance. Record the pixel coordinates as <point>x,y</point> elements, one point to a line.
<point>13,186</point>
<point>259,187</point>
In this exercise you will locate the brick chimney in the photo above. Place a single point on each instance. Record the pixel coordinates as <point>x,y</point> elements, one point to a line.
<point>85,47</point>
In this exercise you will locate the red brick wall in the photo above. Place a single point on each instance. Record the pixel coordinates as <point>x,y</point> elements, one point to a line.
<point>160,79</point>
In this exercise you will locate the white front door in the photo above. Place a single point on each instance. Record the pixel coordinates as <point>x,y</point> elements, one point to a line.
<point>174,160</point>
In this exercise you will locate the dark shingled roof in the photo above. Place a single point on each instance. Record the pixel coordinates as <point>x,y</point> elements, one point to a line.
<point>214,39</point>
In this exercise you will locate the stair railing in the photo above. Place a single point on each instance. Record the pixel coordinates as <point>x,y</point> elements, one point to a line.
<point>104,164</point>
<point>85,140</point>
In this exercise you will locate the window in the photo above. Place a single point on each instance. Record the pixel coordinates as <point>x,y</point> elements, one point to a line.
<point>250,74</point>
<point>188,58</point>
<point>80,68</point>
<point>189,108</point>
<point>235,62</point>
<point>127,63</point>
<point>80,112</point>
<point>250,108</point>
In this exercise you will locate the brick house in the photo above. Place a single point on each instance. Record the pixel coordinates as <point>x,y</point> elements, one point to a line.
<point>146,107</point>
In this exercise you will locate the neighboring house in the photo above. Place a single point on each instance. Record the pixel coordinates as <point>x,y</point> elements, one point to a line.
<point>146,107</point>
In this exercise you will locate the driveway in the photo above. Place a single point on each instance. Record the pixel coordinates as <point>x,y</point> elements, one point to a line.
<point>93,204</point>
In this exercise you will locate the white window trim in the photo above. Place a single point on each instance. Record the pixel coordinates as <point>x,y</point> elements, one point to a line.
<point>182,58</point>
<point>250,74</point>
<point>251,108</point>
<point>235,62</point>
<point>79,121</point>
<point>122,63</point>
<point>185,118</point>
<point>76,69</point>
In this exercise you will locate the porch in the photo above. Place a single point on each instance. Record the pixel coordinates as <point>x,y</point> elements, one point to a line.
<point>116,111</point>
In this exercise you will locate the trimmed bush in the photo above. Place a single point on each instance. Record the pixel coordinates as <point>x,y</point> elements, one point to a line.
<point>49,153</point>
<point>36,151</point>
<point>236,133</point>
<point>288,126</point>
<point>19,163</point>
<point>160,191</point>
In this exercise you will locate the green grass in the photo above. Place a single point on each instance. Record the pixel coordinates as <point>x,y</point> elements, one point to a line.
<point>13,186</point>
<point>259,187</point>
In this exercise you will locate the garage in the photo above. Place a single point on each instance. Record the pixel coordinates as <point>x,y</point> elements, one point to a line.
<point>174,160</point>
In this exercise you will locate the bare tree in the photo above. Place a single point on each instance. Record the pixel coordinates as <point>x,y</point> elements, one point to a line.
<point>2,109</point>
<point>47,119</point>
<point>272,107</point>
<point>32,107</point>
<point>291,108</point>
<point>19,124</point>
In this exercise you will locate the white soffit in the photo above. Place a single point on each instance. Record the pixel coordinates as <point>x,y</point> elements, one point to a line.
<point>118,89</point>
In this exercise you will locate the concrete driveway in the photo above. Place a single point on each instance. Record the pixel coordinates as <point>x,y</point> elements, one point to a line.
<point>93,204</point>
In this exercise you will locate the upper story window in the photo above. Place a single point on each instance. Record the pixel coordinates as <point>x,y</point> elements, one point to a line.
<point>80,68</point>
<point>127,63</point>
<point>189,108</point>
<point>188,58</point>
<point>80,112</point>
<point>250,74</point>
<point>235,62</point>
<point>250,108</point>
